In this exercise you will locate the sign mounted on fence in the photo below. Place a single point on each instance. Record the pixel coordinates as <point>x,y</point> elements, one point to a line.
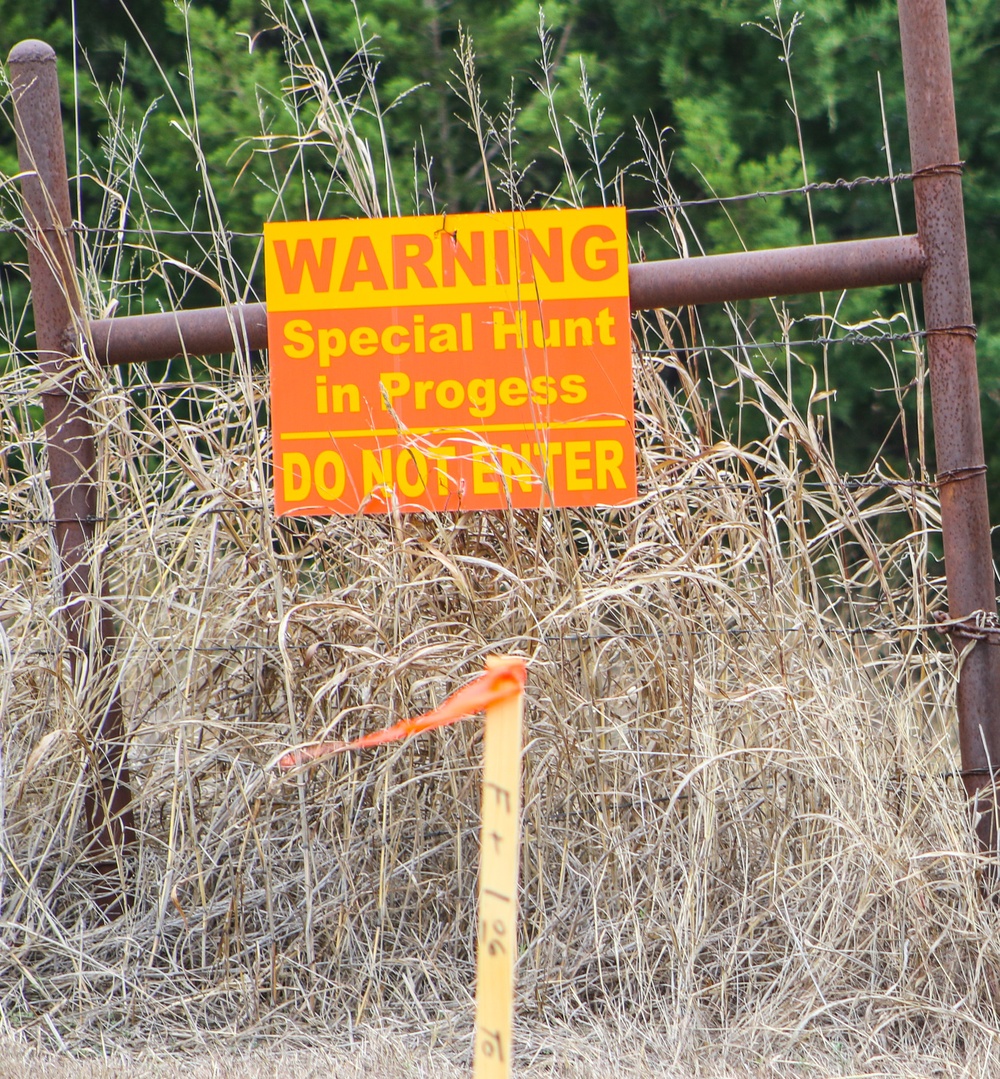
<point>452,362</point>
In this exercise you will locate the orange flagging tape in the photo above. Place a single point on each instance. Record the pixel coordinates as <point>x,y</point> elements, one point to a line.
<point>498,684</point>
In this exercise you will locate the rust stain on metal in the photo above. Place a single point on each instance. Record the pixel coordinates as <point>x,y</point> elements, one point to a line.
<point>958,436</point>
<point>70,435</point>
<point>671,283</point>
<point>199,332</point>
<point>788,271</point>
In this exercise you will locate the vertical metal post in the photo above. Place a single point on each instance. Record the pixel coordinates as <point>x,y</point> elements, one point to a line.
<point>955,401</point>
<point>69,433</point>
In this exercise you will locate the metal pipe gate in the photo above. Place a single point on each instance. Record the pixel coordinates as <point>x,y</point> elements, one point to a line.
<point>936,257</point>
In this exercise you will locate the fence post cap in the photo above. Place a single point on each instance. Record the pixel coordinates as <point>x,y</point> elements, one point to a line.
<point>31,51</point>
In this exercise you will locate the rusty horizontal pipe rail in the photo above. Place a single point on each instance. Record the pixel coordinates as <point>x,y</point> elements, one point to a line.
<point>163,336</point>
<point>783,271</point>
<point>745,275</point>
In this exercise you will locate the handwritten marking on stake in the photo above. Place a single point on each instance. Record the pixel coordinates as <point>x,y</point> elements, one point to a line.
<point>504,679</point>
<point>500,844</point>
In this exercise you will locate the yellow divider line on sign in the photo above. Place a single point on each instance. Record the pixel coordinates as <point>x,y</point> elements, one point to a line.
<point>487,428</point>
<point>500,844</point>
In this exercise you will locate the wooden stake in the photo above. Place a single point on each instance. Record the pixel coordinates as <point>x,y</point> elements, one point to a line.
<point>500,845</point>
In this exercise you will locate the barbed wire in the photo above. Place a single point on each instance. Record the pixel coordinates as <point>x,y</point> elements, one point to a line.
<point>368,820</point>
<point>853,337</point>
<point>187,513</point>
<point>781,192</point>
<point>847,481</point>
<point>886,632</point>
<point>661,209</point>
<point>82,229</point>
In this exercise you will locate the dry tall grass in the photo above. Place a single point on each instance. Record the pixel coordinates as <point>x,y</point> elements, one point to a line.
<point>741,847</point>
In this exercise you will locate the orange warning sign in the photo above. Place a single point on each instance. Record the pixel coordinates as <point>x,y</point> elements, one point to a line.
<point>455,362</point>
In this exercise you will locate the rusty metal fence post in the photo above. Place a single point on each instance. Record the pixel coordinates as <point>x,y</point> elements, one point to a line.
<point>955,401</point>
<point>69,431</point>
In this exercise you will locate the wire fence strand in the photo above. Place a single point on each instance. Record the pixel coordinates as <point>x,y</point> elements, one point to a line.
<point>668,206</point>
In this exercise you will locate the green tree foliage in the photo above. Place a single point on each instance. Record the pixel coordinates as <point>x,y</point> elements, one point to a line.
<point>228,112</point>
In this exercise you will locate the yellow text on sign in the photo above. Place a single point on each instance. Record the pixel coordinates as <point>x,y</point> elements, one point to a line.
<point>466,362</point>
<point>497,937</point>
<point>452,259</point>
